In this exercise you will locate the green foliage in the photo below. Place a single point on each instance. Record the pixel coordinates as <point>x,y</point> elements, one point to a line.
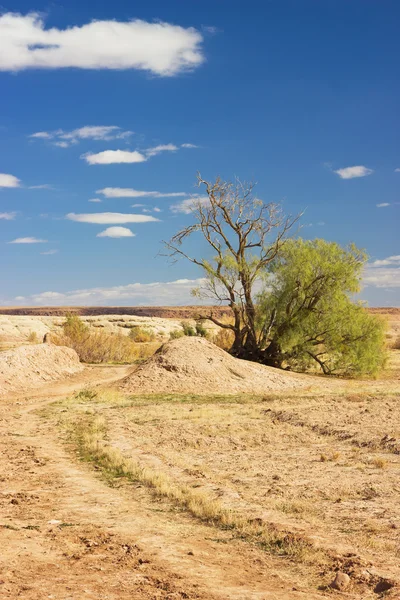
<point>201,330</point>
<point>188,329</point>
<point>306,316</point>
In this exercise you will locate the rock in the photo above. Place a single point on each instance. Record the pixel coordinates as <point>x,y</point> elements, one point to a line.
<point>383,586</point>
<point>341,582</point>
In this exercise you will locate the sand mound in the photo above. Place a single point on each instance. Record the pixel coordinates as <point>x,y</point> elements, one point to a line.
<point>30,366</point>
<point>194,365</point>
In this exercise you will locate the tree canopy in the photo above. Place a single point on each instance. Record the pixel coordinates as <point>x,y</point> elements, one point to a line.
<point>306,315</point>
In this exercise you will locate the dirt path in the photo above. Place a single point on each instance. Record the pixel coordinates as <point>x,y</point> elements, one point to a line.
<point>66,535</point>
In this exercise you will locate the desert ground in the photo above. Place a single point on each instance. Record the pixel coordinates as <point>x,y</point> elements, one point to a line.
<point>190,476</point>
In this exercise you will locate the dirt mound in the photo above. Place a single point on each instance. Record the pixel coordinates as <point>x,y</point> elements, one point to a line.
<point>194,365</point>
<point>30,366</point>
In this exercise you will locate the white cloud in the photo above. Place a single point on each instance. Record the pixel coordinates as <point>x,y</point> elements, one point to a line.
<point>190,204</point>
<point>390,260</point>
<point>109,157</point>
<point>49,252</point>
<point>116,232</point>
<point>8,216</point>
<point>161,148</point>
<point>397,170</point>
<point>189,146</point>
<point>383,273</point>
<point>169,293</point>
<point>43,186</point>
<point>131,193</point>
<point>160,48</point>
<point>383,204</point>
<point>64,139</point>
<point>137,205</point>
<point>109,218</point>
<point>42,135</point>
<point>28,240</point>
<point>156,209</point>
<point>9,181</point>
<point>351,172</point>
<point>94,200</point>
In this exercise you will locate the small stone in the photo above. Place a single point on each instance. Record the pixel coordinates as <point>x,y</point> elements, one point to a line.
<point>54,522</point>
<point>341,582</point>
<point>190,553</point>
<point>14,501</point>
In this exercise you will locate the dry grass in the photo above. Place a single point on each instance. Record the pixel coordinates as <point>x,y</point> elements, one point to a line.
<point>90,433</point>
<point>102,346</point>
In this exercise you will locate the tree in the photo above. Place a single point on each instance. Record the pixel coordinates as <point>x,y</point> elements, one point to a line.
<point>305,313</point>
<point>245,235</point>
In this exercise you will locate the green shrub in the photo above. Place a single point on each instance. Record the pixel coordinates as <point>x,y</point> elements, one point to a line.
<point>200,329</point>
<point>188,329</point>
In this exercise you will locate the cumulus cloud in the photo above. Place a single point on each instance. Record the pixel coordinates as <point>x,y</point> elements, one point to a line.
<point>189,205</point>
<point>109,218</point>
<point>49,252</point>
<point>352,172</point>
<point>9,181</point>
<point>64,139</point>
<point>383,273</point>
<point>110,157</point>
<point>383,204</point>
<point>117,192</point>
<point>116,232</point>
<point>8,216</point>
<point>28,240</point>
<point>159,48</point>
<point>169,293</point>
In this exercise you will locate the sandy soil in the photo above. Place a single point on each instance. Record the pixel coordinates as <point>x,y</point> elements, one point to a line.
<point>31,366</point>
<point>320,460</point>
<point>193,365</point>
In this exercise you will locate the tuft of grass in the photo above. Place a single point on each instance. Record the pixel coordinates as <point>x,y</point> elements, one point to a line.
<point>380,463</point>
<point>90,435</point>
<point>33,338</point>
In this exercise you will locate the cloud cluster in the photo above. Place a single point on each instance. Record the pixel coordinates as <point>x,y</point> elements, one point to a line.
<point>169,293</point>
<point>159,48</point>
<point>109,218</point>
<point>111,157</point>
<point>352,172</point>
<point>64,139</point>
<point>117,192</point>
<point>8,216</point>
<point>383,273</point>
<point>9,181</point>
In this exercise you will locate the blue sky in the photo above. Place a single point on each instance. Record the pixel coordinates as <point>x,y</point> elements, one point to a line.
<point>290,94</point>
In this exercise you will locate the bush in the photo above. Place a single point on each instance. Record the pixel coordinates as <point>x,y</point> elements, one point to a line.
<point>97,346</point>
<point>188,329</point>
<point>140,335</point>
<point>201,330</point>
<point>224,339</point>
<point>175,334</point>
